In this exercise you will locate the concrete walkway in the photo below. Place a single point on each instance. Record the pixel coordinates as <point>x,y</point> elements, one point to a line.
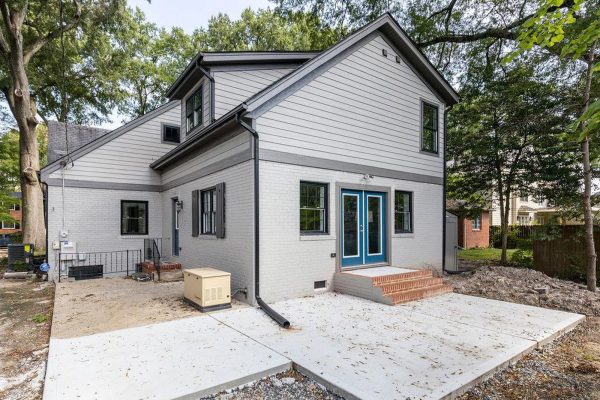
<point>427,349</point>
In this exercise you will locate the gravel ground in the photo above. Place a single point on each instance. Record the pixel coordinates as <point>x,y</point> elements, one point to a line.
<point>289,385</point>
<point>25,317</point>
<point>568,368</point>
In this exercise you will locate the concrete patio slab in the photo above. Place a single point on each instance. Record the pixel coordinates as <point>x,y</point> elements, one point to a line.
<point>362,349</point>
<point>533,323</point>
<point>186,358</point>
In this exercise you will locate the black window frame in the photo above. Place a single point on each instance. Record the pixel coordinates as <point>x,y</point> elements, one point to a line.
<point>212,212</point>
<point>195,112</point>
<point>164,132</point>
<point>411,212</point>
<point>145,219</point>
<point>325,230</point>
<point>436,135</point>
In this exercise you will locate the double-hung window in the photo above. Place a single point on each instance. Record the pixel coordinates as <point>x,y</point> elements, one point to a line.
<point>476,223</point>
<point>403,212</point>
<point>429,128</point>
<point>313,208</point>
<point>193,110</point>
<point>208,211</point>
<point>134,217</point>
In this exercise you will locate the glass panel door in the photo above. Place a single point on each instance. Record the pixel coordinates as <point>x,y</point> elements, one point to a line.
<point>363,226</point>
<point>351,228</point>
<point>375,224</point>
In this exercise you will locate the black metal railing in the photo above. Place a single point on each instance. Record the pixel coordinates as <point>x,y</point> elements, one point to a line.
<point>152,252</point>
<point>98,264</point>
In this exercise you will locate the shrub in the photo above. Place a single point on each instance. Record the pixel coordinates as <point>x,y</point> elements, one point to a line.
<point>524,243</point>
<point>522,258</point>
<point>496,239</point>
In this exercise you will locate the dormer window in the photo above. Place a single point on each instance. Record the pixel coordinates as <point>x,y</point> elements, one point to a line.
<point>193,110</point>
<point>170,134</point>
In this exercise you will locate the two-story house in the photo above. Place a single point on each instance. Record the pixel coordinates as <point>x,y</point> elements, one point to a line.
<point>10,228</point>
<point>283,168</point>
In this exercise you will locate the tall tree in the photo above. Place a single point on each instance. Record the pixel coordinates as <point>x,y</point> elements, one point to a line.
<point>26,28</point>
<point>505,139</point>
<point>155,56</point>
<point>574,28</point>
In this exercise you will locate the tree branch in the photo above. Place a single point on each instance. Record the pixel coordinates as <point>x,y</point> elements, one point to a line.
<point>30,50</point>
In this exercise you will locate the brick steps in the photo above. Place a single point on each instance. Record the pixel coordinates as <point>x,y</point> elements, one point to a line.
<point>418,294</point>
<point>149,267</point>
<point>410,284</point>
<point>386,279</point>
<point>391,288</point>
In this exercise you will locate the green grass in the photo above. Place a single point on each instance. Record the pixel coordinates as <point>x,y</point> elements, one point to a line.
<point>40,318</point>
<point>483,254</point>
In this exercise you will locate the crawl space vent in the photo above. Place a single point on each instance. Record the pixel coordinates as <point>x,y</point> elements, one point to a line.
<point>320,284</point>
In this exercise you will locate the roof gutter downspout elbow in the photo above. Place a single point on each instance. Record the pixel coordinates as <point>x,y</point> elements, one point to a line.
<point>282,321</point>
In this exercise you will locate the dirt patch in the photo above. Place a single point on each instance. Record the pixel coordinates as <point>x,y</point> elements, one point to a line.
<point>289,385</point>
<point>102,305</point>
<point>568,368</point>
<point>25,319</point>
<point>518,285</point>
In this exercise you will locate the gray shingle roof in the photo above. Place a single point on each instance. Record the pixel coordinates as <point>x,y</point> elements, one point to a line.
<point>79,136</point>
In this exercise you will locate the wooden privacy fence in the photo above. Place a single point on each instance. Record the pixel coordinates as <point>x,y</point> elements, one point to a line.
<point>563,255</point>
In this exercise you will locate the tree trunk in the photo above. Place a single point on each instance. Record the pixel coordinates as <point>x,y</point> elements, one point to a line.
<point>503,222</point>
<point>24,110</point>
<point>588,217</point>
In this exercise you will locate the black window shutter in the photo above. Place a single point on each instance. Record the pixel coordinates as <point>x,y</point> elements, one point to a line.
<point>220,217</point>
<point>195,213</point>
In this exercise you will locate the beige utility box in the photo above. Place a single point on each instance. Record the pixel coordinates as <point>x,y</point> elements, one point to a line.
<point>207,288</point>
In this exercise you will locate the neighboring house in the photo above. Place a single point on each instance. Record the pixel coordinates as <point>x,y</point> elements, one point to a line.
<point>282,168</point>
<point>532,210</point>
<point>524,210</point>
<point>8,228</point>
<point>474,231</point>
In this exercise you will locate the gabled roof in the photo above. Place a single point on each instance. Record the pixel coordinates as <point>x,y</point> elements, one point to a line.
<point>74,155</point>
<point>388,26</point>
<point>269,95</point>
<point>209,59</point>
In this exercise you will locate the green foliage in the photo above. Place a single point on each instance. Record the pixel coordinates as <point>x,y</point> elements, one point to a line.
<point>40,318</point>
<point>505,136</point>
<point>481,254</point>
<point>156,56</point>
<point>523,258</point>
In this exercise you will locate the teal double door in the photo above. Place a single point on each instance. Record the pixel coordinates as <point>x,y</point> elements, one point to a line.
<point>364,227</point>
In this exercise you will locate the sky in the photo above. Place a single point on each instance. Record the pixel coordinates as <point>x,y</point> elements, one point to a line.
<point>192,14</point>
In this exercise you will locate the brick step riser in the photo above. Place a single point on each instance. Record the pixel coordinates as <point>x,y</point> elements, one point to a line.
<point>419,294</point>
<point>401,286</point>
<point>382,280</point>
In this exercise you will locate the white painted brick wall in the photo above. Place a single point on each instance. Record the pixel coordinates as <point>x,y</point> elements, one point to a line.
<point>234,253</point>
<point>93,219</point>
<point>290,263</point>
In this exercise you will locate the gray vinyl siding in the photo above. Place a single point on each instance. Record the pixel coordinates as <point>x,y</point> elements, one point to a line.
<point>234,87</point>
<point>197,161</point>
<point>366,109</point>
<point>205,106</point>
<point>126,159</point>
